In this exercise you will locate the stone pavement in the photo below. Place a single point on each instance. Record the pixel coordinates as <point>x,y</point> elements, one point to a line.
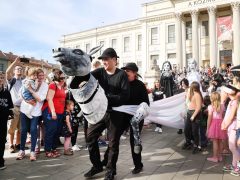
<point>162,159</point>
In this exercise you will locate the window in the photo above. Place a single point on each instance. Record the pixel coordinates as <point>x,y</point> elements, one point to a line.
<point>188,30</point>
<point>154,36</point>
<point>1,67</point>
<point>126,44</point>
<point>139,37</point>
<point>87,47</point>
<point>153,62</point>
<point>101,43</point>
<point>205,29</point>
<point>188,56</point>
<point>171,56</point>
<point>114,43</point>
<point>139,64</point>
<point>171,34</point>
<point>77,46</point>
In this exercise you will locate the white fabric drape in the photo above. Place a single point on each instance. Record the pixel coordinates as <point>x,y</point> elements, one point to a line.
<point>168,112</point>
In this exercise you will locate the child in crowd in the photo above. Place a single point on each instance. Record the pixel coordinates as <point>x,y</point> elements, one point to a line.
<point>67,127</point>
<point>29,82</point>
<point>203,121</point>
<point>214,132</point>
<point>76,118</point>
<point>229,124</point>
<point>158,94</point>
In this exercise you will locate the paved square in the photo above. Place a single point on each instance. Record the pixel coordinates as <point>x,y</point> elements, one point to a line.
<point>162,156</point>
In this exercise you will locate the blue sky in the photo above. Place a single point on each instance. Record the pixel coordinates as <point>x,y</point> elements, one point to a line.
<point>33,27</point>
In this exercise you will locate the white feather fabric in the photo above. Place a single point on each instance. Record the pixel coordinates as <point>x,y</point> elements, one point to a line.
<point>168,112</point>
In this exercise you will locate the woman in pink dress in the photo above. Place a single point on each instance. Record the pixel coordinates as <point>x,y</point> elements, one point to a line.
<point>214,132</point>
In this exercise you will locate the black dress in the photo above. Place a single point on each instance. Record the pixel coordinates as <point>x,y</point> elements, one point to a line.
<point>65,130</point>
<point>158,94</point>
<point>167,83</point>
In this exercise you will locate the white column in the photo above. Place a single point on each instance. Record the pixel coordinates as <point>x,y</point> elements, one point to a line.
<point>184,43</point>
<point>212,36</point>
<point>178,35</point>
<point>236,34</point>
<point>144,48</point>
<point>195,40</point>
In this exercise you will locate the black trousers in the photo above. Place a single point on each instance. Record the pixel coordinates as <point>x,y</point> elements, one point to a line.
<point>191,129</point>
<point>115,123</point>
<point>3,136</point>
<point>137,158</point>
<point>74,134</point>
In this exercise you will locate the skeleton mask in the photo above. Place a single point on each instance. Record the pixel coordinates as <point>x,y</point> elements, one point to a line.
<point>166,66</point>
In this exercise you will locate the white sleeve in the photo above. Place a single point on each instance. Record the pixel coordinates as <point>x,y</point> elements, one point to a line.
<point>42,92</point>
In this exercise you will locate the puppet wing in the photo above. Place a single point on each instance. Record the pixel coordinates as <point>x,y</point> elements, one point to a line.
<point>168,112</point>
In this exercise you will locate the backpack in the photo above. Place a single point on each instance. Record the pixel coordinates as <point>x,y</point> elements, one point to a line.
<point>11,83</point>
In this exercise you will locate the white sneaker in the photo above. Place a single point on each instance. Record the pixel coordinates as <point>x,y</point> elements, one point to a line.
<point>160,130</point>
<point>157,129</point>
<point>80,146</point>
<point>123,137</point>
<point>76,148</point>
<point>2,167</point>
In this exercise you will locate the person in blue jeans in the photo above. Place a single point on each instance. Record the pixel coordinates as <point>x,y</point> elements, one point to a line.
<point>53,112</point>
<point>31,123</point>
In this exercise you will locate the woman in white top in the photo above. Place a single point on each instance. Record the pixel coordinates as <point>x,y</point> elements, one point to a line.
<point>39,95</point>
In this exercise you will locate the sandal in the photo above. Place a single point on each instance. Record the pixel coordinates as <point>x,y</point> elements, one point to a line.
<point>33,156</point>
<point>50,155</point>
<point>56,153</point>
<point>68,152</point>
<point>21,155</point>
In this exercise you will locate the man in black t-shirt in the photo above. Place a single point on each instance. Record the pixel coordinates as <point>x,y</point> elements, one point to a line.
<point>115,83</point>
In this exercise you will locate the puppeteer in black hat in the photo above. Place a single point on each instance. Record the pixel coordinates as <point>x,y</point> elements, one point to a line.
<point>133,67</point>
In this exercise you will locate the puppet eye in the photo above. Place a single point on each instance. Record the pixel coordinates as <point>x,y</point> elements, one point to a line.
<point>78,51</point>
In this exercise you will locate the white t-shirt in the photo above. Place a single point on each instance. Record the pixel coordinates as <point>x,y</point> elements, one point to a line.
<point>15,91</point>
<point>37,110</point>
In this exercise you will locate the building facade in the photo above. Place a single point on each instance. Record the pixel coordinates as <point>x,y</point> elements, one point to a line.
<point>7,58</point>
<point>173,30</point>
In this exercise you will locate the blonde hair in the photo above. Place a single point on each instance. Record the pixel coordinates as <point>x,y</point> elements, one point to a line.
<point>216,101</point>
<point>31,71</point>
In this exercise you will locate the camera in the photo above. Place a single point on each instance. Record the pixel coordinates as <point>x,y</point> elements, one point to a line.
<point>24,60</point>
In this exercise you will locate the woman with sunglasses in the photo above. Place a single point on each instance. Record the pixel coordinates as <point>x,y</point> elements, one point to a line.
<point>53,111</point>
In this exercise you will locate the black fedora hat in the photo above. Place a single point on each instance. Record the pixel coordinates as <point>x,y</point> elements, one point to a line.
<point>235,70</point>
<point>108,53</point>
<point>230,89</point>
<point>131,66</point>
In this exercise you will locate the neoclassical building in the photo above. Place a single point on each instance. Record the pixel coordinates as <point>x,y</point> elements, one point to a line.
<point>173,30</point>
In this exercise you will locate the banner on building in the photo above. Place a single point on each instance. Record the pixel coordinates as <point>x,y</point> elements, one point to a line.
<point>224,29</point>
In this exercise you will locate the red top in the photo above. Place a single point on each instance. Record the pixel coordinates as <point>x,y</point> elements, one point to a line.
<point>58,99</point>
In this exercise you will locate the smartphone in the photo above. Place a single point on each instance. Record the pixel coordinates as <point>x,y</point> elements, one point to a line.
<point>24,60</point>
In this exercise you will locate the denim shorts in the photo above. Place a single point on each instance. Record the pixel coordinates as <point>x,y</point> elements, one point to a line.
<point>238,134</point>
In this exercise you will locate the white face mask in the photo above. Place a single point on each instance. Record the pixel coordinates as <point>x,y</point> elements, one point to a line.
<point>166,67</point>
<point>192,65</point>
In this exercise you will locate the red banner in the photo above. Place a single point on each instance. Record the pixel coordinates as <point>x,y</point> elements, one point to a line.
<point>224,28</point>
